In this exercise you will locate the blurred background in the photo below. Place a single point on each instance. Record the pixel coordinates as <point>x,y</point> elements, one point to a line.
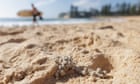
<point>67,11</point>
<point>72,8</point>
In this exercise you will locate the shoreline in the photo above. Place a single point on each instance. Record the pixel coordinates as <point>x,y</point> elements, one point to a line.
<point>59,21</point>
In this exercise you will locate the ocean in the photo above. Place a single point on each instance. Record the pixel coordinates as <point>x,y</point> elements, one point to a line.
<point>28,21</point>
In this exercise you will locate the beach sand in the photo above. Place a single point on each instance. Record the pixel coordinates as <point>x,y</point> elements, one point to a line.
<point>95,53</point>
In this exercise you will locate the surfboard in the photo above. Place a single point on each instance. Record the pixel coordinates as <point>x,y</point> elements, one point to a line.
<point>26,13</point>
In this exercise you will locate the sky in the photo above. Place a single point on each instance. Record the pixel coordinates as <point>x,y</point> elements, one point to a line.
<point>51,8</point>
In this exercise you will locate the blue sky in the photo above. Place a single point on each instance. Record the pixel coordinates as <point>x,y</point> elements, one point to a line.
<point>51,8</point>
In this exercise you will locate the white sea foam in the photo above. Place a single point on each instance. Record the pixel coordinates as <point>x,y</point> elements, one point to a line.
<point>20,22</point>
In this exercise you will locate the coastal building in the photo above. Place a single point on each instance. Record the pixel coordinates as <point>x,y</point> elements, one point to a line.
<point>76,13</point>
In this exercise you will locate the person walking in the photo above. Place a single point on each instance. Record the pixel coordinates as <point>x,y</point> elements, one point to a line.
<point>36,13</point>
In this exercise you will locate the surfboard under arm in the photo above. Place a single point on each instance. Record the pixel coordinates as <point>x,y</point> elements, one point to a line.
<point>26,13</point>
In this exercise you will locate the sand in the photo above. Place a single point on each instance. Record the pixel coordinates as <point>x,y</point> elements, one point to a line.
<point>95,53</point>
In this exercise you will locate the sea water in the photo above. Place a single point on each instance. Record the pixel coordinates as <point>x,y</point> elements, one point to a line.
<point>28,21</point>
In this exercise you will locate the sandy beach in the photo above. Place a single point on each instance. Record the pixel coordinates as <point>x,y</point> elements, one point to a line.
<point>93,53</point>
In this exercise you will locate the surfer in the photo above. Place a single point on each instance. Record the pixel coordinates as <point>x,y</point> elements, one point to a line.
<point>36,13</point>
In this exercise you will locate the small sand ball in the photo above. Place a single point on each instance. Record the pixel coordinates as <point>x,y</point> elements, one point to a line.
<point>65,64</point>
<point>19,75</point>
